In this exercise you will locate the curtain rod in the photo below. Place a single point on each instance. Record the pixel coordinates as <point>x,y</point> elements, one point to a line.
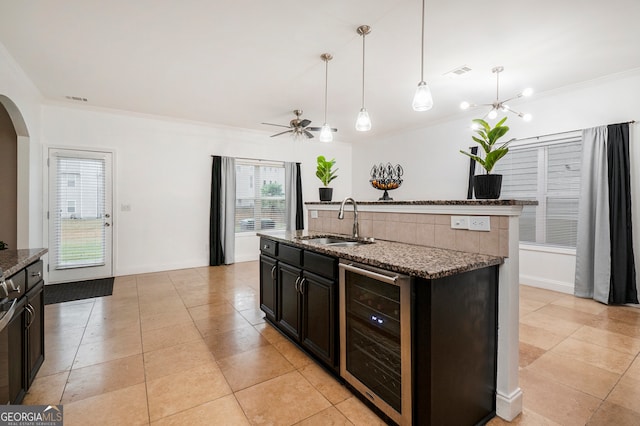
<point>560,133</point>
<point>252,159</point>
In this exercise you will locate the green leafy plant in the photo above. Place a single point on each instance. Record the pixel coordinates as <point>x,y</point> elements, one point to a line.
<point>324,171</point>
<point>487,139</point>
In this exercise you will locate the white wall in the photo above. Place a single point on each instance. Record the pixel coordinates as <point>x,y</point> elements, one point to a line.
<point>16,86</point>
<point>434,169</point>
<point>162,169</point>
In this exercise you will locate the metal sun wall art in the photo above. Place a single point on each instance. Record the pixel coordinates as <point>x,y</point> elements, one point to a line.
<point>385,178</point>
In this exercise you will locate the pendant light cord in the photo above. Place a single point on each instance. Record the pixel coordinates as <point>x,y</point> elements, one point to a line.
<point>363,52</point>
<point>422,53</point>
<point>326,85</point>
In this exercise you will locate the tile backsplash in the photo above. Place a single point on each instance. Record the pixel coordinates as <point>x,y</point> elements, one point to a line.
<point>432,230</point>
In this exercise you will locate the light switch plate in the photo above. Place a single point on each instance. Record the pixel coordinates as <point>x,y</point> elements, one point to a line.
<point>480,223</point>
<point>314,214</point>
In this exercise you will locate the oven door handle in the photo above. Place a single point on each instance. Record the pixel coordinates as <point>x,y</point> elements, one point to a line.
<point>370,274</point>
<point>8,316</point>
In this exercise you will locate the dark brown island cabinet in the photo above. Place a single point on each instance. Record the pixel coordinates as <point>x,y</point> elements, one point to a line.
<point>26,331</point>
<point>453,351</point>
<point>299,296</point>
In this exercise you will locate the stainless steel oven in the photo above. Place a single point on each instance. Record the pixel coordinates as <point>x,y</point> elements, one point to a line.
<point>375,337</point>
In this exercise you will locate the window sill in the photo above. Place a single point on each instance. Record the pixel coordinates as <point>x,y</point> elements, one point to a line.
<point>548,249</point>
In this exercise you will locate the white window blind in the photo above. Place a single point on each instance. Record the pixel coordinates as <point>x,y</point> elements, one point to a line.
<point>260,195</point>
<point>549,172</point>
<point>78,216</point>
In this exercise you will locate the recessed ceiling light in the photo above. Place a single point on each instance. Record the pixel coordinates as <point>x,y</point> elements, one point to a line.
<point>76,98</point>
<point>459,71</point>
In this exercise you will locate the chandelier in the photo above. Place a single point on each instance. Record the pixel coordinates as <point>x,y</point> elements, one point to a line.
<point>498,105</point>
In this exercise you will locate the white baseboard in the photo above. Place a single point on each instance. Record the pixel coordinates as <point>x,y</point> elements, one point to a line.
<point>509,406</point>
<point>560,286</point>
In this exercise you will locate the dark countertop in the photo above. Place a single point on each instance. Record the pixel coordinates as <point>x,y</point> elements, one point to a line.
<point>11,261</point>
<point>436,203</point>
<point>419,261</point>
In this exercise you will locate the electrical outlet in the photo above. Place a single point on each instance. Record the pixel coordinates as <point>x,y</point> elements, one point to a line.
<point>480,223</point>
<point>459,222</point>
<point>314,214</point>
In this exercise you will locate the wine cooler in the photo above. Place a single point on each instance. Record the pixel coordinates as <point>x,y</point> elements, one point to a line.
<point>375,337</point>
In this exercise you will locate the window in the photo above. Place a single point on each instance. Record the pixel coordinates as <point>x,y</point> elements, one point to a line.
<point>549,172</point>
<point>260,206</point>
<point>71,206</point>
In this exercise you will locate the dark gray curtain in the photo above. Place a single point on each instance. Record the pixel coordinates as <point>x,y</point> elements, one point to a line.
<point>299,204</point>
<point>472,171</point>
<point>623,273</point>
<point>216,253</point>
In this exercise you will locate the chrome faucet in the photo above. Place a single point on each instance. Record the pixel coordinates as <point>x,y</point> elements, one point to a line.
<point>356,229</point>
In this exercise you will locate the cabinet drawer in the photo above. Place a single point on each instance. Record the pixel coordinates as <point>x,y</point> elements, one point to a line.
<point>268,247</point>
<point>290,255</point>
<point>19,281</point>
<point>34,274</point>
<point>321,264</point>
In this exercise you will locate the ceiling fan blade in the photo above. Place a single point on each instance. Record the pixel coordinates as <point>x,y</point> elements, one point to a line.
<point>308,134</point>
<point>281,133</point>
<point>305,122</point>
<point>317,129</point>
<point>279,125</point>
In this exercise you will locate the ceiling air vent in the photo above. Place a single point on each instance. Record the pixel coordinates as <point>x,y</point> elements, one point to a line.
<point>457,72</point>
<point>76,98</point>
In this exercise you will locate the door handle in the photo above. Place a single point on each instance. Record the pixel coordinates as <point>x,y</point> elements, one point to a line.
<point>304,280</point>
<point>273,273</point>
<point>297,283</point>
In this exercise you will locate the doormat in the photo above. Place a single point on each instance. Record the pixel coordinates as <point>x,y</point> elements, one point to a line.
<point>66,292</point>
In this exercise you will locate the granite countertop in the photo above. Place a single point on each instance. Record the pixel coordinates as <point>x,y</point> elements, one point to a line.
<point>419,261</point>
<point>11,261</point>
<point>436,203</point>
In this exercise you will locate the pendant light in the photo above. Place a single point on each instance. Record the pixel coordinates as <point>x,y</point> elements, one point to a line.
<point>422,100</point>
<point>325,132</point>
<point>363,123</point>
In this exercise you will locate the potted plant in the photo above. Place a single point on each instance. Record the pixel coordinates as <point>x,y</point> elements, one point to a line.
<point>326,174</point>
<point>488,186</point>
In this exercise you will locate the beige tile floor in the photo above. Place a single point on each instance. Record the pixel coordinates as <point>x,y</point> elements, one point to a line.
<point>190,347</point>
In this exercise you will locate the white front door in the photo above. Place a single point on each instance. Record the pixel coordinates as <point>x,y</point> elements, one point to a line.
<point>80,209</point>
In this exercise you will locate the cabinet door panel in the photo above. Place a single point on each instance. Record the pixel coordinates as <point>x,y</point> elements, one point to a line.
<point>17,378</point>
<point>268,286</point>
<point>35,331</point>
<point>319,317</point>
<point>288,300</point>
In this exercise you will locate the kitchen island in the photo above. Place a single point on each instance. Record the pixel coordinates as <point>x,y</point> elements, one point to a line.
<point>424,356</point>
<point>430,223</point>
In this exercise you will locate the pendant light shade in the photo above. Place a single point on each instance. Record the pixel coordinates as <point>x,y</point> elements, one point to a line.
<point>422,100</point>
<point>326,135</point>
<point>363,123</point>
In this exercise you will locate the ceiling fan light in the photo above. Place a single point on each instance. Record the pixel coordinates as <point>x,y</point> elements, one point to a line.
<point>465,105</point>
<point>363,123</point>
<point>527,117</point>
<point>492,114</point>
<point>325,133</point>
<point>422,100</point>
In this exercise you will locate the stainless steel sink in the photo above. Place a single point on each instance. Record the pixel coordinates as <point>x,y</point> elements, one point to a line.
<point>337,242</point>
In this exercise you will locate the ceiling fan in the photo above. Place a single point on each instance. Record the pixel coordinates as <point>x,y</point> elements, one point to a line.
<point>298,126</point>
